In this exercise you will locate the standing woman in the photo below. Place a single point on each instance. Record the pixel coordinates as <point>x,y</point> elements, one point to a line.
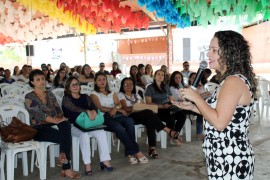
<point>227,149</point>
<point>115,118</point>
<point>148,76</point>
<point>60,78</point>
<point>73,105</point>
<point>45,112</point>
<point>128,98</point>
<point>115,69</point>
<point>159,93</point>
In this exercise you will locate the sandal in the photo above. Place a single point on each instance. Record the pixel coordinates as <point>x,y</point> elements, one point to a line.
<point>62,159</point>
<point>142,159</point>
<point>152,153</point>
<point>176,135</point>
<point>70,174</point>
<point>88,173</point>
<point>132,160</point>
<point>175,142</point>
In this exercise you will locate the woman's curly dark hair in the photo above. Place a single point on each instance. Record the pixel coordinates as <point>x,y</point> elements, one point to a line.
<point>235,55</point>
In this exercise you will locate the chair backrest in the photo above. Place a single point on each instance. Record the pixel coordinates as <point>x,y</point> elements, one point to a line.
<point>59,100</point>
<point>11,89</point>
<point>91,85</point>
<point>3,85</point>
<point>210,86</point>
<point>115,85</point>
<point>120,76</point>
<point>9,111</point>
<point>140,89</point>
<point>11,101</point>
<point>58,92</point>
<point>264,86</point>
<point>85,89</point>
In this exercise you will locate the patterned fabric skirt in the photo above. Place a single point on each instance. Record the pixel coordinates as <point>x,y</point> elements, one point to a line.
<point>229,159</point>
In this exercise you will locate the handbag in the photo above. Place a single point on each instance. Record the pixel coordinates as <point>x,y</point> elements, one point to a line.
<point>141,106</point>
<point>17,131</point>
<point>85,122</point>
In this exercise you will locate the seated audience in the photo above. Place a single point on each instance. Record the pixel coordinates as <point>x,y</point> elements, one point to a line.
<point>159,93</point>
<point>115,118</point>
<point>115,69</point>
<point>7,78</point>
<point>45,112</point>
<point>128,98</point>
<point>60,78</point>
<point>102,69</point>
<point>73,105</point>
<point>87,75</point>
<point>147,78</point>
<point>24,76</point>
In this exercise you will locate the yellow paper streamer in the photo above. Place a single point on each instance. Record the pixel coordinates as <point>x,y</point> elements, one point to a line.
<point>49,8</point>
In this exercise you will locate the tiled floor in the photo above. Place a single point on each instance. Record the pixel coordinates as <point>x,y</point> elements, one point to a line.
<point>185,162</point>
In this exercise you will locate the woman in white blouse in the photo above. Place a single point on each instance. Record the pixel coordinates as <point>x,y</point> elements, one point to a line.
<point>148,76</point>
<point>115,118</point>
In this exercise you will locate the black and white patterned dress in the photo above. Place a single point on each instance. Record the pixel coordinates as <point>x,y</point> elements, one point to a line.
<point>229,154</point>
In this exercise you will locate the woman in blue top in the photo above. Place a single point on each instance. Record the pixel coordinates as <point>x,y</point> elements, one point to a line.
<point>159,93</point>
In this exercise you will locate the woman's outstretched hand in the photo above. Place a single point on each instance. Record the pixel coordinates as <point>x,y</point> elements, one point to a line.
<point>187,105</point>
<point>189,94</point>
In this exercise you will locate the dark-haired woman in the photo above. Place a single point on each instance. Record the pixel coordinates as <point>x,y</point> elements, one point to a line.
<point>115,118</point>
<point>227,149</point>
<point>87,75</point>
<point>128,98</point>
<point>159,93</point>
<point>46,72</point>
<point>176,82</point>
<point>60,78</point>
<point>45,112</point>
<point>133,72</point>
<point>115,69</point>
<point>73,105</point>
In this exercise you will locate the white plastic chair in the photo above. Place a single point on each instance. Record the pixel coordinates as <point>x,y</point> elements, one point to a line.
<point>11,101</point>
<point>85,89</point>
<point>120,76</point>
<point>43,157</point>
<point>91,85</point>
<point>12,90</point>
<point>59,92</point>
<point>210,86</point>
<point>9,149</point>
<point>265,98</point>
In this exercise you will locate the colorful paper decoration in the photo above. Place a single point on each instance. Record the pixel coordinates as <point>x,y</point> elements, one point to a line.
<point>51,9</point>
<point>208,11</point>
<point>106,15</point>
<point>19,25</point>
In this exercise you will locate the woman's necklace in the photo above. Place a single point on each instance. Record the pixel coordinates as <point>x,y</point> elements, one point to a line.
<point>132,99</point>
<point>41,97</point>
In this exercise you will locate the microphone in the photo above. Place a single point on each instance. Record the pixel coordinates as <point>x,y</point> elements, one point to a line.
<point>198,77</point>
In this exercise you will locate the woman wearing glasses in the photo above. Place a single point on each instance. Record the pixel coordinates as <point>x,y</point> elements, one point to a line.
<point>73,105</point>
<point>128,98</point>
